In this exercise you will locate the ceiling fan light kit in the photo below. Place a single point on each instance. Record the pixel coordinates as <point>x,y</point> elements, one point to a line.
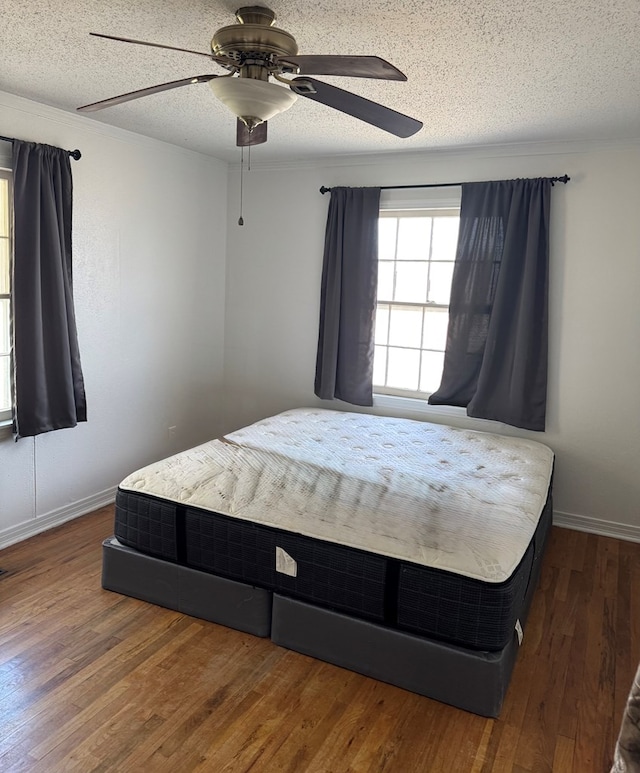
<point>252,101</point>
<point>252,51</point>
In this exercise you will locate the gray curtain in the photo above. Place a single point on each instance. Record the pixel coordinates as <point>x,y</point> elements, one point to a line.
<point>344,365</point>
<point>495,361</point>
<point>48,381</point>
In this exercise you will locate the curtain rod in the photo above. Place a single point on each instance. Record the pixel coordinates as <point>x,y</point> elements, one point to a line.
<point>75,154</point>
<point>564,179</point>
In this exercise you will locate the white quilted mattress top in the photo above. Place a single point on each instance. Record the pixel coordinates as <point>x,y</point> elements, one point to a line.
<point>462,501</point>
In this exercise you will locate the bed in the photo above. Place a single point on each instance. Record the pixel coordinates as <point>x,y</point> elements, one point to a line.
<point>405,550</point>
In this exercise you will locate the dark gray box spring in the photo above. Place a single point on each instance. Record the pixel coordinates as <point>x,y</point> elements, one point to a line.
<point>198,594</point>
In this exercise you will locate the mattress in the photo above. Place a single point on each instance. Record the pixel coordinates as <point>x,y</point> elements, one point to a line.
<point>418,526</point>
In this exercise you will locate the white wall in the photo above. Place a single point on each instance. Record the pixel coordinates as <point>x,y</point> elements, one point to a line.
<point>151,234</point>
<point>149,279</point>
<point>273,285</point>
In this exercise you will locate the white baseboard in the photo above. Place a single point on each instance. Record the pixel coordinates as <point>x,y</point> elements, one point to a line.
<point>55,517</point>
<point>624,531</point>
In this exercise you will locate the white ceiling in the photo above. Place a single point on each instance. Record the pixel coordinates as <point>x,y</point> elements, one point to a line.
<point>479,71</point>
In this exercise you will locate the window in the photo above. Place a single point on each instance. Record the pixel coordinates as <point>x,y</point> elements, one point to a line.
<point>416,255</point>
<point>5,296</point>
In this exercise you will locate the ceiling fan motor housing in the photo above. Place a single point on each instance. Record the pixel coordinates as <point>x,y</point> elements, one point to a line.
<point>253,40</point>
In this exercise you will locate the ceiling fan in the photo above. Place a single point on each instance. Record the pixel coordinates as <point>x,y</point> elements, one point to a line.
<point>254,51</point>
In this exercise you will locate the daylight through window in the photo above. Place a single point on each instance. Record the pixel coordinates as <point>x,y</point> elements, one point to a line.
<point>416,255</point>
<point>5,297</point>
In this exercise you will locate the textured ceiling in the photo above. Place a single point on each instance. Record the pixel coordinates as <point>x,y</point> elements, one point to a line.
<point>479,71</point>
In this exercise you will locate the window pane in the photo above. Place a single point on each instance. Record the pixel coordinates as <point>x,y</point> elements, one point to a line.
<point>387,227</point>
<point>4,207</point>
<point>385,281</point>
<point>403,368</point>
<point>379,365</point>
<point>417,253</point>
<point>406,327</point>
<point>440,282</point>
<point>436,322</point>
<point>431,373</point>
<point>411,282</point>
<point>445,238</point>
<point>414,238</point>
<point>382,324</point>
<point>4,326</point>
<point>4,266</point>
<point>5,391</point>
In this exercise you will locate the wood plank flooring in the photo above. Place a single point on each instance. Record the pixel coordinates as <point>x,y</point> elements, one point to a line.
<point>94,681</point>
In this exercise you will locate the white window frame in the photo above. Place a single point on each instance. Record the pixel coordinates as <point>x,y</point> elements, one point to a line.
<point>6,174</point>
<point>415,203</point>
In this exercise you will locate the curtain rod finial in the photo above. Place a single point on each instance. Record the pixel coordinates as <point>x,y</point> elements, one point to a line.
<point>324,190</point>
<point>76,155</point>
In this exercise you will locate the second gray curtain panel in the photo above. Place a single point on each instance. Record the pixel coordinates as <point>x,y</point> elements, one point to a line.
<point>496,353</point>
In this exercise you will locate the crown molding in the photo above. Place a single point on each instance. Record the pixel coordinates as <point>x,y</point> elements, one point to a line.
<point>508,150</point>
<point>75,122</point>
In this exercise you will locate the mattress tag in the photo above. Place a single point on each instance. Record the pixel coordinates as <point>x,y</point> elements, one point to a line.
<point>520,632</point>
<point>285,564</point>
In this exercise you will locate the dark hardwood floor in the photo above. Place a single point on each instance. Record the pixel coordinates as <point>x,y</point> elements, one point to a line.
<point>94,681</point>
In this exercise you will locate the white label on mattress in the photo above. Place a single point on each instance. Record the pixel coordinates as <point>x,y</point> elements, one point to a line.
<point>520,632</point>
<point>285,564</point>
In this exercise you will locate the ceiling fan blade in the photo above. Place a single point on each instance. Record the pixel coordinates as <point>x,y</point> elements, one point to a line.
<point>352,66</point>
<point>145,92</point>
<point>364,109</point>
<point>246,138</point>
<point>220,59</point>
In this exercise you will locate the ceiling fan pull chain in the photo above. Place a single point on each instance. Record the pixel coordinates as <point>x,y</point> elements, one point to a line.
<point>240,219</point>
